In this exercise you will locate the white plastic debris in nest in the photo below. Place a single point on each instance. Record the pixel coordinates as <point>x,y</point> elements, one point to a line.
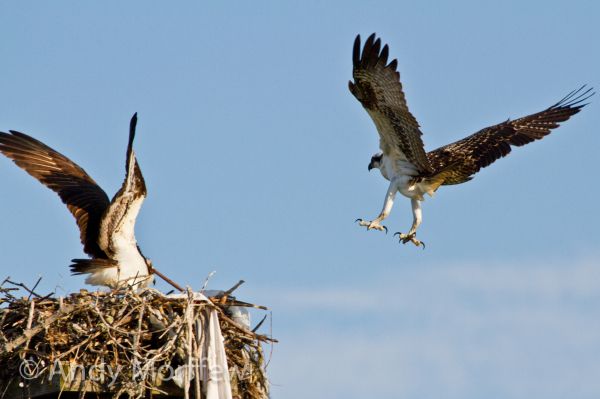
<point>214,372</point>
<point>215,376</point>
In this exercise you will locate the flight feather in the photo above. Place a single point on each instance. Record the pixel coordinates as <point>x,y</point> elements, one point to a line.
<point>83,197</point>
<point>462,159</point>
<point>377,86</point>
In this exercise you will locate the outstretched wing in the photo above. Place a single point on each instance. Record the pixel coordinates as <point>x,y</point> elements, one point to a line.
<point>462,159</point>
<point>118,223</point>
<point>84,198</point>
<point>377,86</point>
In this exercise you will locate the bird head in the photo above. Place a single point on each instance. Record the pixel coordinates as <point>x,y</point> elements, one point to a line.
<point>375,161</point>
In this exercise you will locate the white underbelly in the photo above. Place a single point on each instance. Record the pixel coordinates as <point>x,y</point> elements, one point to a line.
<point>131,270</point>
<point>411,192</point>
<point>408,188</point>
<point>403,174</point>
<point>131,263</point>
<point>131,267</point>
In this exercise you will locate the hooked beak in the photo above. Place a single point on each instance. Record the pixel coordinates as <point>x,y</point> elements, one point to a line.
<point>371,166</point>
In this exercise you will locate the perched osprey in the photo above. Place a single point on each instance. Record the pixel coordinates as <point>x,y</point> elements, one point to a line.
<point>107,227</point>
<point>403,160</point>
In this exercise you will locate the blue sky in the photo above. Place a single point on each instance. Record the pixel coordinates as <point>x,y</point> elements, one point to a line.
<point>255,156</point>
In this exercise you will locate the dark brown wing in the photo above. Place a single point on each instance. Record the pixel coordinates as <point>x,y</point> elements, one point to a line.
<point>466,157</point>
<point>377,86</point>
<point>84,198</point>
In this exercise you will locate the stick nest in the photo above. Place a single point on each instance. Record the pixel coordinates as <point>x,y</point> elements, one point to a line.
<point>123,328</point>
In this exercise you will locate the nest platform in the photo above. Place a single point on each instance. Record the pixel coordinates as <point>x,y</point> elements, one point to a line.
<point>127,343</point>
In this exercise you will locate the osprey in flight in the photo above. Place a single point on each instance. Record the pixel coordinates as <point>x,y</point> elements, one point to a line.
<point>107,227</point>
<point>403,160</point>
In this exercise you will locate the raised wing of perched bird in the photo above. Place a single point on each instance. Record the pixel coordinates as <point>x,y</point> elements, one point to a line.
<point>107,227</point>
<point>404,162</point>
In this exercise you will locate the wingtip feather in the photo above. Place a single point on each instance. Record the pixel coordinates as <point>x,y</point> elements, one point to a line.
<point>576,98</point>
<point>356,51</point>
<point>384,55</point>
<point>132,126</point>
<point>367,48</point>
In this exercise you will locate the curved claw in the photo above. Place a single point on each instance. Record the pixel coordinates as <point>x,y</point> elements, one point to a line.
<point>404,238</point>
<point>374,225</point>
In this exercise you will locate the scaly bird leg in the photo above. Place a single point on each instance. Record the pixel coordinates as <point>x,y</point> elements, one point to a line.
<point>387,208</point>
<point>417,217</point>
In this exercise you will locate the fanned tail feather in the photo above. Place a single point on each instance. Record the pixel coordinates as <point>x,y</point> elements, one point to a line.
<point>83,266</point>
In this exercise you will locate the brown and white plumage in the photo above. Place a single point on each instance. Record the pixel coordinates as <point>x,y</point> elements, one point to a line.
<point>404,162</point>
<point>106,227</point>
<point>467,156</point>
<point>377,86</point>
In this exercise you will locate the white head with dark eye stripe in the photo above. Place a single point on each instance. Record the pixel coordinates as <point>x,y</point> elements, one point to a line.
<point>376,161</point>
